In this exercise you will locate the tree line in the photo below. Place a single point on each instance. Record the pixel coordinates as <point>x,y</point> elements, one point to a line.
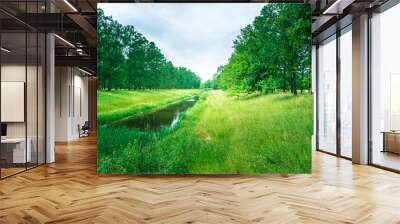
<point>127,60</point>
<point>271,54</point>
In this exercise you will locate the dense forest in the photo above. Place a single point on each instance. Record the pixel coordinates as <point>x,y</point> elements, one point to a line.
<point>127,60</point>
<point>271,54</point>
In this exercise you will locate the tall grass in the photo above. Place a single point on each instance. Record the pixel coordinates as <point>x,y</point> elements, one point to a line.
<point>220,134</point>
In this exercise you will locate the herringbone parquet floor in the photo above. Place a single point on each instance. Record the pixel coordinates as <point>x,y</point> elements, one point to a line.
<point>69,191</point>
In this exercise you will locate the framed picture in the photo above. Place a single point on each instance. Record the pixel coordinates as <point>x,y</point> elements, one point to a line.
<point>189,88</point>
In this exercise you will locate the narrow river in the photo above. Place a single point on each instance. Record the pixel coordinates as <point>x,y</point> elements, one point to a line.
<point>168,116</point>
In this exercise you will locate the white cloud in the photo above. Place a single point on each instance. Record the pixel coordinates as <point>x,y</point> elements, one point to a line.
<point>194,35</point>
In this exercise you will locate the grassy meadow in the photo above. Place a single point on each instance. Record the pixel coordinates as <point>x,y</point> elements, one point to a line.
<point>220,134</point>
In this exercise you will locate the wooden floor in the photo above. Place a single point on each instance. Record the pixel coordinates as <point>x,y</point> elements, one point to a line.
<point>69,191</point>
<point>5,172</point>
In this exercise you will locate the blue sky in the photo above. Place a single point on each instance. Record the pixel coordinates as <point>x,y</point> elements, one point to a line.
<point>197,36</point>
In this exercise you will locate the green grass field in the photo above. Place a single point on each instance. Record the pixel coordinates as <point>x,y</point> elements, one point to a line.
<point>220,134</point>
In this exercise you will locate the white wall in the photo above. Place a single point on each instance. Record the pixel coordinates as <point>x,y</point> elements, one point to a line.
<point>14,72</point>
<point>314,88</point>
<point>80,110</point>
<point>33,127</point>
<point>71,94</point>
<point>62,82</point>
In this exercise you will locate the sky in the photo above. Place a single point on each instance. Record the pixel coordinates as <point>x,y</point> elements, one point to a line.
<point>196,36</point>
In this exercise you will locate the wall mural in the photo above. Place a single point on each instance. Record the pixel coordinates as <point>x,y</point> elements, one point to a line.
<point>204,88</point>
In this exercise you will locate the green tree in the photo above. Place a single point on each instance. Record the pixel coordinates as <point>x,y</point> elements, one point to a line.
<point>273,53</point>
<point>127,60</point>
